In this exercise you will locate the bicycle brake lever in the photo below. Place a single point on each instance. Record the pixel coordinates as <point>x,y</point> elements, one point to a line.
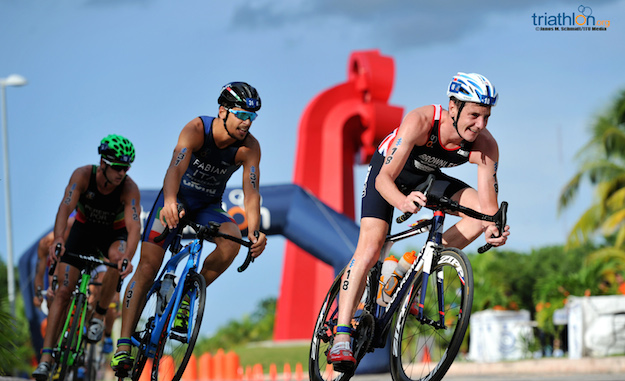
<point>428,184</point>
<point>500,222</point>
<point>119,282</point>
<point>249,259</point>
<point>57,252</point>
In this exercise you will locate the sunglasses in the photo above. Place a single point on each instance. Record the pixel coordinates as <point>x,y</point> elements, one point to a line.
<point>118,167</point>
<point>244,115</point>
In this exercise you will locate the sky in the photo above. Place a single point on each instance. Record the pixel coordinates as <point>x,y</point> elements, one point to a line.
<point>144,68</point>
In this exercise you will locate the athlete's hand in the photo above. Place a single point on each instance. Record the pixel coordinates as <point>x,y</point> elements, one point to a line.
<point>492,235</point>
<point>52,249</point>
<point>170,216</point>
<point>259,243</point>
<point>128,269</point>
<point>413,202</point>
<point>38,298</point>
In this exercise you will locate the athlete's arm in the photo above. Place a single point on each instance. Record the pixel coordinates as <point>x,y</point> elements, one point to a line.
<point>191,139</point>
<point>131,197</point>
<point>40,272</point>
<point>412,131</point>
<point>485,155</point>
<point>249,155</point>
<point>78,184</point>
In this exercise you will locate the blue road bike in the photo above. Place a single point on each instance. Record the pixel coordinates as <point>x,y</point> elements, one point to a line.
<point>156,337</point>
<point>429,310</point>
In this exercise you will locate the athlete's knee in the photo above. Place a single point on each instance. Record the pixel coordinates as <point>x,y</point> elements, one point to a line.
<point>229,248</point>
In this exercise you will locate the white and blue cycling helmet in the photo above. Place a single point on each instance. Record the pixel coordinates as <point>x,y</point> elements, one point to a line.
<point>472,87</point>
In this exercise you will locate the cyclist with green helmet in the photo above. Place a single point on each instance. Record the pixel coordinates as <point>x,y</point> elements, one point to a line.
<point>107,204</point>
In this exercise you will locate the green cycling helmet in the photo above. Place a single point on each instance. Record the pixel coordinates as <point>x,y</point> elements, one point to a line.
<point>118,149</point>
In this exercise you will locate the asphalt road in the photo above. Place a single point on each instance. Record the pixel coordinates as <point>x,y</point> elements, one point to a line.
<point>509,377</point>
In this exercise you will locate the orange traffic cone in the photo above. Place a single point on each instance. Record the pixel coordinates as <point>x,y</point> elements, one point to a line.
<point>258,372</point>
<point>190,372</point>
<point>231,366</point>
<point>207,370</point>
<point>166,368</point>
<point>273,372</point>
<point>218,363</point>
<point>147,369</point>
<point>287,372</point>
<point>299,373</point>
<point>426,355</point>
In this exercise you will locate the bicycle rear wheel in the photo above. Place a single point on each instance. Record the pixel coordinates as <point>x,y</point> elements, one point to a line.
<point>323,337</point>
<point>93,361</point>
<point>174,349</point>
<point>142,334</point>
<point>425,349</point>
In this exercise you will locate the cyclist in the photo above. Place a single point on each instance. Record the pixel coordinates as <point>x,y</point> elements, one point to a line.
<point>41,270</point>
<point>429,138</point>
<point>208,152</point>
<point>107,203</point>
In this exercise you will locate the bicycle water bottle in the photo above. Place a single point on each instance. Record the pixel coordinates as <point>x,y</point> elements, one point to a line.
<point>402,266</point>
<point>166,291</point>
<point>387,269</point>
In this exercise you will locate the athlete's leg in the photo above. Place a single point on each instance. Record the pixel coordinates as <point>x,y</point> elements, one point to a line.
<point>372,235</point>
<point>68,277</point>
<point>467,229</point>
<point>220,259</point>
<point>108,289</point>
<point>134,296</point>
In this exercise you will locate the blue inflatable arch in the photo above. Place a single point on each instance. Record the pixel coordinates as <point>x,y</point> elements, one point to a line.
<point>286,210</point>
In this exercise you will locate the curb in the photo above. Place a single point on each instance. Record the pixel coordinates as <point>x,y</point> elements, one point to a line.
<point>542,366</point>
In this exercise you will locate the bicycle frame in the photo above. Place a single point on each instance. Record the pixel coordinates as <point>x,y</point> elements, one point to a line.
<point>193,250</point>
<point>384,315</point>
<point>82,287</point>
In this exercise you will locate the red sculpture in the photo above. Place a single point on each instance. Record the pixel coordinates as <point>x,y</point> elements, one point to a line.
<point>345,120</point>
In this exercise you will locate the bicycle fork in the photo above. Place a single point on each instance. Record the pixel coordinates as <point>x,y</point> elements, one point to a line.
<point>427,259</point>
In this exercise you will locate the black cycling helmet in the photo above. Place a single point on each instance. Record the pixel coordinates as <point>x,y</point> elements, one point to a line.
<point>239,94</point>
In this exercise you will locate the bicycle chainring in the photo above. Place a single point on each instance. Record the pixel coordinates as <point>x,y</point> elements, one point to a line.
<point>363,335</point>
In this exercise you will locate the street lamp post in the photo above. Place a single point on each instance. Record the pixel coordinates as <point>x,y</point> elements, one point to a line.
<point>11,80</point>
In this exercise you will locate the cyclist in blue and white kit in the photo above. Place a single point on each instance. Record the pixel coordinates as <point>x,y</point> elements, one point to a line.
<point>428,139</point>
<point>208,152</point>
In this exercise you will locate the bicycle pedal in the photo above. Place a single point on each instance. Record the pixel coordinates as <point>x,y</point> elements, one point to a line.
<point>178,337</point>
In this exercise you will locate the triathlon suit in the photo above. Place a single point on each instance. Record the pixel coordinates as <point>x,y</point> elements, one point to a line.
<point>201,188</point>
<point>423,160</point>
<point>99,222</point>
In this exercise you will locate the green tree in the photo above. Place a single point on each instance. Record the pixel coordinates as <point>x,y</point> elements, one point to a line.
<point>15,346</point>
<point>603,164</point>
<point>254,328</point>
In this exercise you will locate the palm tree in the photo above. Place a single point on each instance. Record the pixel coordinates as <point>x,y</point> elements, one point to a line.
<point>603,163</point>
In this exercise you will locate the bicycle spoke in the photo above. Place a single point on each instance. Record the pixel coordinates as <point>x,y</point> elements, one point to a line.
<point>426,347</point>
<point>176,347</point>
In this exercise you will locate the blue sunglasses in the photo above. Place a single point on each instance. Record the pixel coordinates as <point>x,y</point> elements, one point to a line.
<point>244,115</point>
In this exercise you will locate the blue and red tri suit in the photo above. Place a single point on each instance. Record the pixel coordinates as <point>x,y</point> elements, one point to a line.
<point>202,186</point>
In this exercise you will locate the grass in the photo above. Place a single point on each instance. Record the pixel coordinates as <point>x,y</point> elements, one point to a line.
<point>279,354</point>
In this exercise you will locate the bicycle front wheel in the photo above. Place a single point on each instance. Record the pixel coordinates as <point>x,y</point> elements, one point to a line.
<point>143,333</point>
<point>176,346</point>
<point>71,339</point>
<point>424,348</point>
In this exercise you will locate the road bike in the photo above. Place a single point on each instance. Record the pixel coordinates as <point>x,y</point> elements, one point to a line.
<point>70,352</point>
<point>155,337</point>
<point>429,310</point>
